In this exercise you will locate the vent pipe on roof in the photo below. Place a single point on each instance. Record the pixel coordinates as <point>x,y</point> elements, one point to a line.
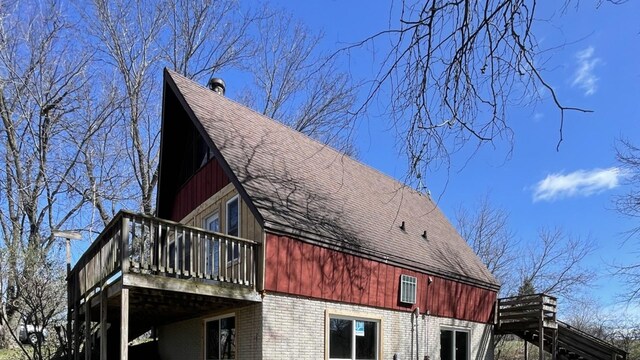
<point>216,85</point>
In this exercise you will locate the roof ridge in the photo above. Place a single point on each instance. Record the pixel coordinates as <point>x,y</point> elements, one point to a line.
<point>318,142</point>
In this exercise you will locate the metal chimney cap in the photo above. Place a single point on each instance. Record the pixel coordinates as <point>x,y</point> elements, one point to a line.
<point>216,85</point>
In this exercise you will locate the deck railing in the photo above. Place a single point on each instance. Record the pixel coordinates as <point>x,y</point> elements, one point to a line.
<point>527,311</point>
<point>135,243</point>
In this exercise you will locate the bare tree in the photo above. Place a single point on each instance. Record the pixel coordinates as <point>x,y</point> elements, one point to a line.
<point>555,264</point>
<point>206,36</point>
<point>628,155</point>
<point>295,83</point>
<point>453,70</point>
<point>43,81</point>
<point>40,306</point>
<point>552,263</point>
<point>486,229</point>
<point>128,33</point>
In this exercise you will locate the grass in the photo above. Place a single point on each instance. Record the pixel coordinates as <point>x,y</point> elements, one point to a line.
<point>10,354</point>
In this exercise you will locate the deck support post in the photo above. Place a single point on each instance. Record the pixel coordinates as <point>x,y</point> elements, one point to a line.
<point>554,346</point>
<point>76,331</point>
<point>104,302</point>
<point>124,324</point>
<point>541,332</point>
<point>87,330</point>
<point>526,350</point>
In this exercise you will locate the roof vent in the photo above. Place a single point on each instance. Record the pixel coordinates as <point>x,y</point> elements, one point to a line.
<point>216,85</point>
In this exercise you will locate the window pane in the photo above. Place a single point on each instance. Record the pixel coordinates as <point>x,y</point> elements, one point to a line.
<point>232,217</point>
<point>213,223</point>
<point>446,345</point>
<point>340,335</point>
<point>212,339</point>
<point>228,338</point>
<point>366,343</point>
<point>462,341</point>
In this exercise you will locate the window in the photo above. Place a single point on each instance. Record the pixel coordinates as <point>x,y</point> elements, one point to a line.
<point>233,226</point>
<point>233,216</point>
<point>454,344</point>
<point>353,338</point>
<point>212,223</point>
<point>408,287</point>
<point>220,338</point>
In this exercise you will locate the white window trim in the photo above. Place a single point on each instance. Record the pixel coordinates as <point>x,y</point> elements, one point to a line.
<point>204,330</point>
<point>234,260</point>
<point>226,222</point>
<point>351,316</point>
<point>458,329</point>
<point>209,219</point>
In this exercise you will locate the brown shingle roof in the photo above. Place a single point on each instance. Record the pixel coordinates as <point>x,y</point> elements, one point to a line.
<point>305,188</point>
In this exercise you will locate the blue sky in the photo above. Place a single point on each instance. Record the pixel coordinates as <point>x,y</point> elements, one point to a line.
<point>593,64</point>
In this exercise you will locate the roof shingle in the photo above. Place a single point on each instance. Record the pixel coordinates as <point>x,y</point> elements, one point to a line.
<point>305,188</point>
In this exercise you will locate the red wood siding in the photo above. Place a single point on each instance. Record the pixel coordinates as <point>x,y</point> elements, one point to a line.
<point>207,181</point>
<point>299,268</point>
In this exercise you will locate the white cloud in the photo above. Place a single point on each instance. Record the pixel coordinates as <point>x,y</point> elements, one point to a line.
<point>584,76</point>
<point>577,183</point>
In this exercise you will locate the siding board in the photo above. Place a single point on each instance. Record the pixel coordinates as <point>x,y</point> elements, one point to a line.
<point>308,270</point>
<point>198,189</point>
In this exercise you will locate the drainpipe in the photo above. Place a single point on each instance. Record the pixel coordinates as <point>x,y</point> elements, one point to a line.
<point>416,314</point>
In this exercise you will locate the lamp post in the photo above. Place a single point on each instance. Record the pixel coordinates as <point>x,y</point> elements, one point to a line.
<point>68,235</point>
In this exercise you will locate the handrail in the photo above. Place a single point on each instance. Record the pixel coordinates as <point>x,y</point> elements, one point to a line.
<point>144,244</point>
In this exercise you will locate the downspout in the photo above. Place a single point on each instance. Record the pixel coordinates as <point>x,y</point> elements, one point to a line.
<point>416,314</point>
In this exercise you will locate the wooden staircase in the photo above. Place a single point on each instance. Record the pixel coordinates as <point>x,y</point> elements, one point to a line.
<point>533,319</point>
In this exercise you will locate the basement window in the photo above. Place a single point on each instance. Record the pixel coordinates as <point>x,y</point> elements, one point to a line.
<point>220,338</point>
<point>454,344</point>
<point>353,338</point>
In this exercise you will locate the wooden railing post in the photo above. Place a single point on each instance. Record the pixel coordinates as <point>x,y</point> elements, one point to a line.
<point>124,245</point>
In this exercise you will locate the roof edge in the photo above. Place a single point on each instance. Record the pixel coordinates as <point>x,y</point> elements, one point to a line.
<point>279,229</point>
<point>168,80</point>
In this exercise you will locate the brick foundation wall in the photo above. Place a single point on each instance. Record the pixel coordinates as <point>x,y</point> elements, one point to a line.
<point>290,327</point>
<point>294,328</point>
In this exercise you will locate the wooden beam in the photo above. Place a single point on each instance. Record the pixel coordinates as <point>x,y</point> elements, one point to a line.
<point>124,324</point>
<point>191,286</point>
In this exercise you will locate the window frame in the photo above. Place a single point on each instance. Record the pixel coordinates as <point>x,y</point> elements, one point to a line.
<point>226,208</point>
<point>209,219</point>
<point>353,317</point>
<point>212,252</point>
<point>233,257</point>
<point>206,338</point>
<point>455,330</point>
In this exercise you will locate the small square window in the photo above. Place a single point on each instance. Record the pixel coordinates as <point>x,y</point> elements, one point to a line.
<point>408,289</point>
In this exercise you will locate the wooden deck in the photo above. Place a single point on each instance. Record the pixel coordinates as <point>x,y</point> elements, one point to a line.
<point>143,272</point>
<point>533,318</point>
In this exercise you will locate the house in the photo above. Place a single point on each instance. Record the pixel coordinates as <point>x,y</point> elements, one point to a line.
<point>270,245</point>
